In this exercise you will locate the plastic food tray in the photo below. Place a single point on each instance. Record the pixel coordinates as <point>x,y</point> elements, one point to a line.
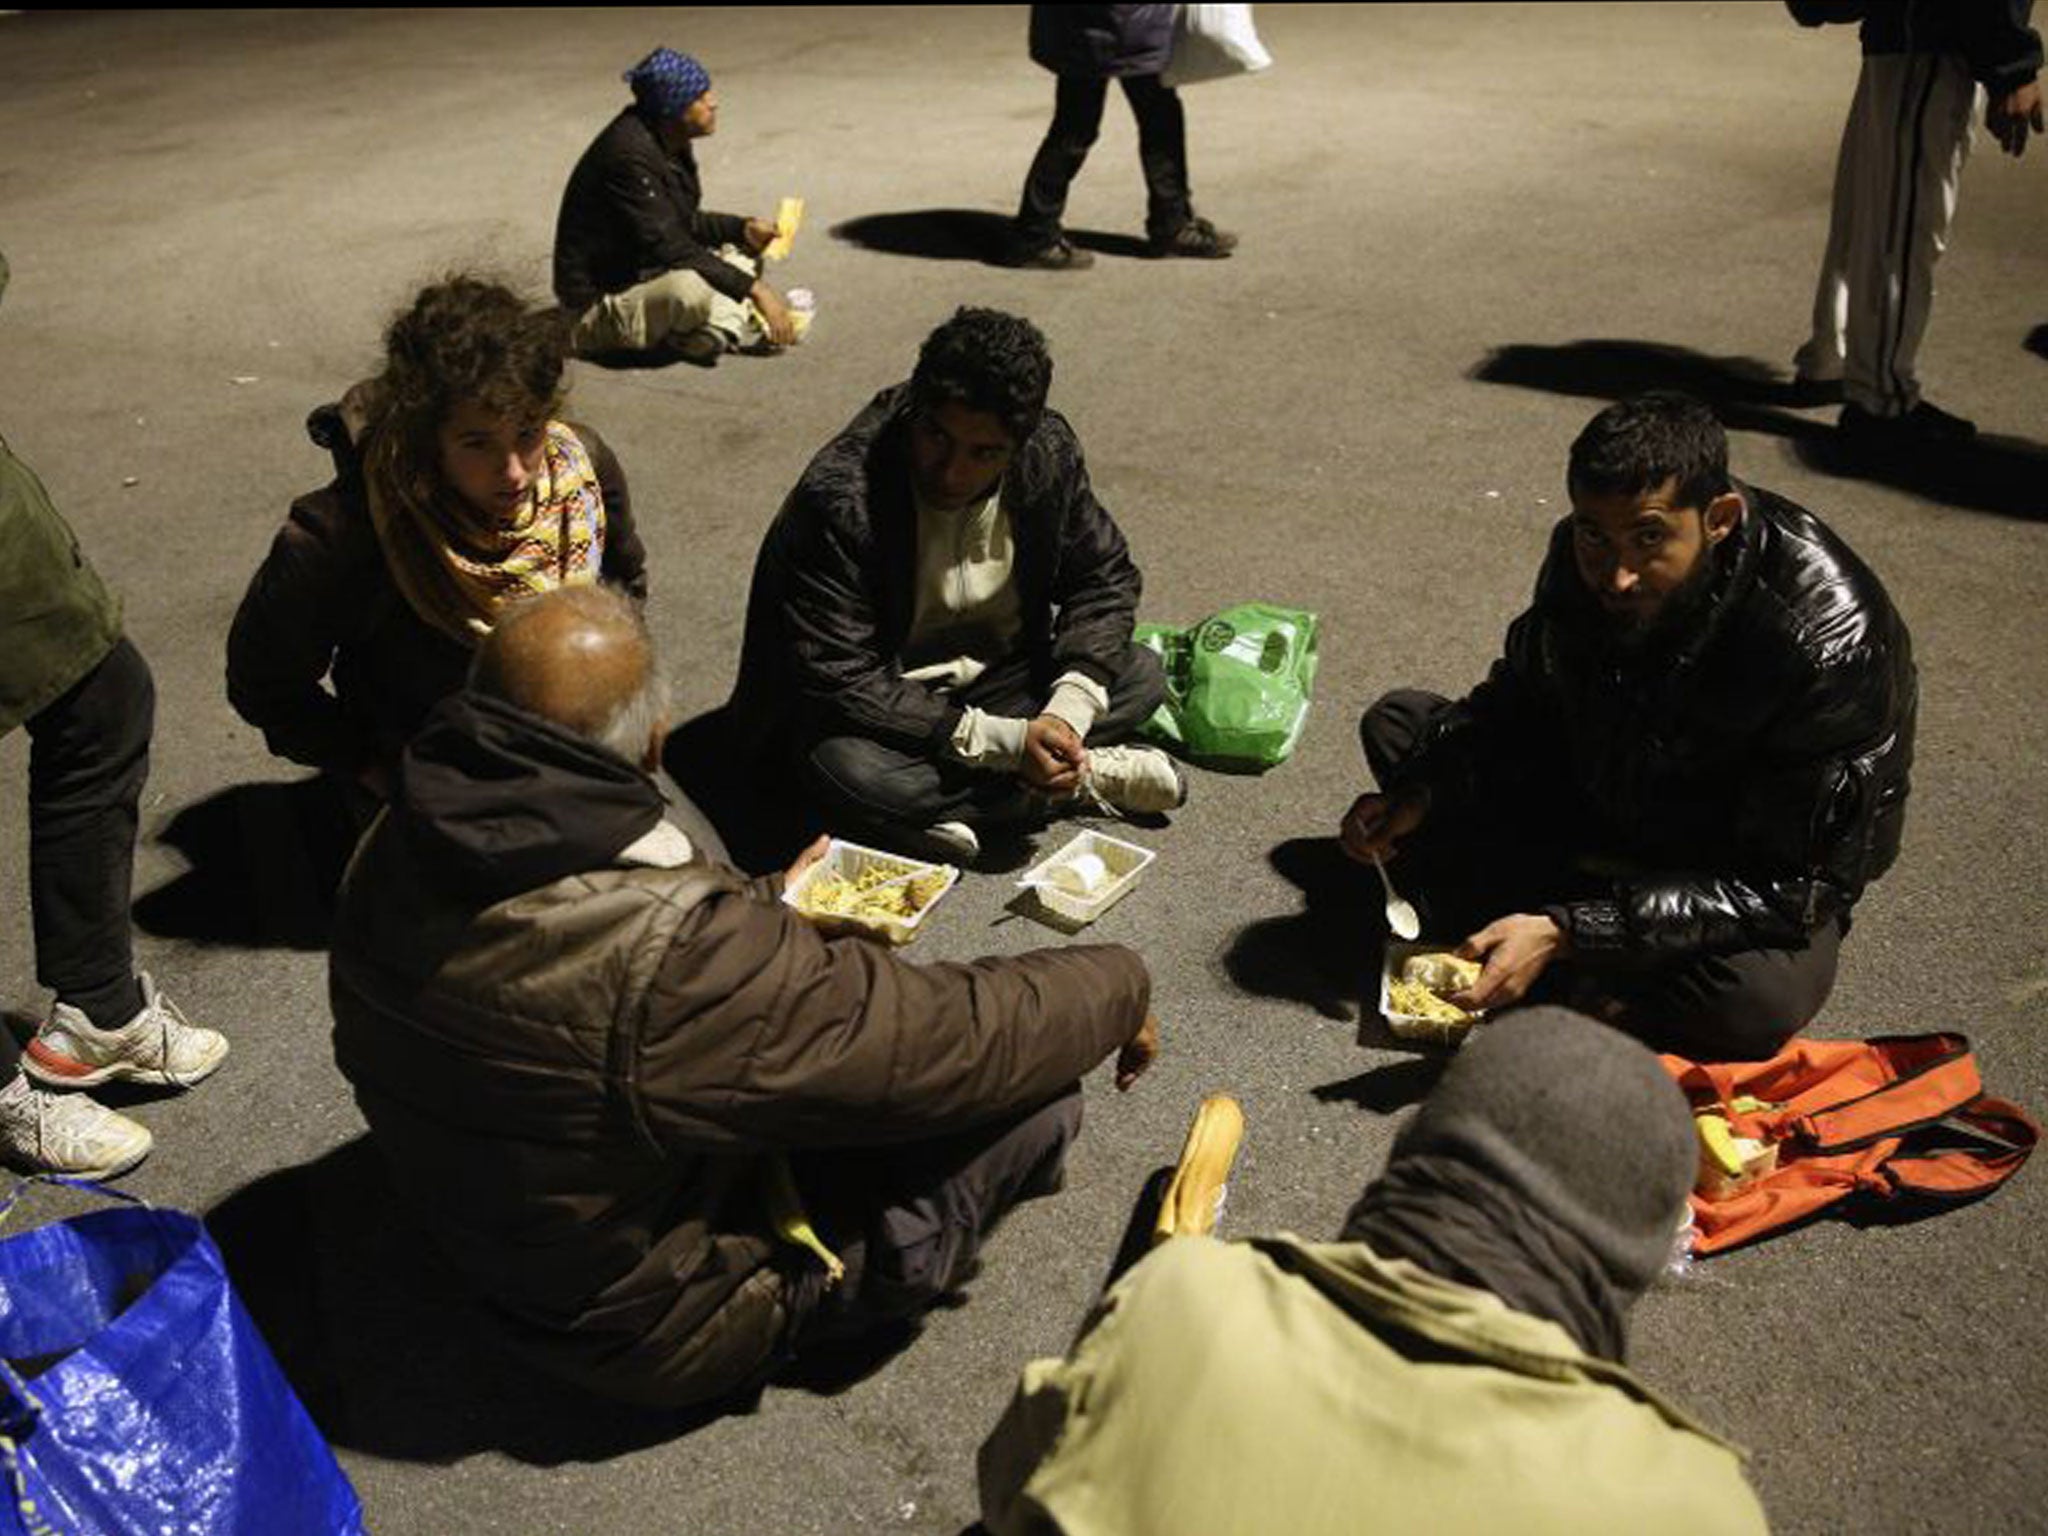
<point>852,860</point>
<point>1124,862</point>
<point>1413,1026</point>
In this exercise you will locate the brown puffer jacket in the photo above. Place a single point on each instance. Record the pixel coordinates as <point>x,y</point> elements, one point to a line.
<point>577,1052</point>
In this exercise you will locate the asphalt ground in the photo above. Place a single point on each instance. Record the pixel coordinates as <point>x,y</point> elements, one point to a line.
<point>1364,413</point>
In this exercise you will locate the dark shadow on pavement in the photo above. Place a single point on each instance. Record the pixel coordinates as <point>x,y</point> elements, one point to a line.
<point>1384,1090</point>
<point>265,861</point>
<point>2004,475</point>
<point>961,234</point>
<point>1328,955</point>
<point>2037,340</point>
<point>376,1337</point>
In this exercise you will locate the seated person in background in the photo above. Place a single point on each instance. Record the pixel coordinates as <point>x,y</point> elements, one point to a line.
<point>942,611</point>
<point>592,1059</point>
<point>1453,1364</point>
<point>640,266</point>
<point>1680,775</point>
<point>456,489</point>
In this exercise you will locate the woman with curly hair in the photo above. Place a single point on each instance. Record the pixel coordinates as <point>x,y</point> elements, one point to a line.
<point>458,489</point>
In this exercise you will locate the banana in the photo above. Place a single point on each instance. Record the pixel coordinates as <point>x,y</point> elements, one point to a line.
<point>793,1223</point>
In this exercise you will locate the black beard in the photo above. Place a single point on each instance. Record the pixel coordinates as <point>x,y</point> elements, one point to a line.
<point>1676,618</point>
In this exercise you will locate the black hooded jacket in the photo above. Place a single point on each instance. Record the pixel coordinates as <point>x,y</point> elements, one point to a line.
<point>1755,770</point>
<point>834,587</point>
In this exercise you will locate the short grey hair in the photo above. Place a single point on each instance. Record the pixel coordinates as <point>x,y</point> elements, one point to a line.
<point>516,669</point>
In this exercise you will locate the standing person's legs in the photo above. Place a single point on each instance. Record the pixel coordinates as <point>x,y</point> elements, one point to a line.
<point>1852,209</point>
<point>1162,153</point>
<point>88,758</point>
<point>1912,117</point>
<point>909,1220</point>
<point>1076,119</point>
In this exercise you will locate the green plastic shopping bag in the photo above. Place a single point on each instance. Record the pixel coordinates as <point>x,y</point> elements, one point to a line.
<point>1237,685</point>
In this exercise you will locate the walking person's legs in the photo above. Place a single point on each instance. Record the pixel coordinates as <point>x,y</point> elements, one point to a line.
<point>1076,120</point>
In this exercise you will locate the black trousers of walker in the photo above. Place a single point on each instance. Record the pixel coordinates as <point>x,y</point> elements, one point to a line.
<point>872,785</point>
<point>88,759</point>
<point>1723,1007</point>
<point>1076,120</point>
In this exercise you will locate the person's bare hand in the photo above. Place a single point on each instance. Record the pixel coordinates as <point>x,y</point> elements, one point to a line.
<point>1138,1054</point>
<point>760,233</point>
<point>775,316</point>
<point>1514,952</point>
<point>1053,756</point>
<point>804,861</point>
<point>1375,823</point>
<point>2011,116</point>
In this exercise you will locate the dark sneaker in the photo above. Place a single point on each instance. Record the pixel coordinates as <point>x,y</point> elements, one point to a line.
<point>1924,426</point>
<point>1197,237</point>
<point>1062,255</point>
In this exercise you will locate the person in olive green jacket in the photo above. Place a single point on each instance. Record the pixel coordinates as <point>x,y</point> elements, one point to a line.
<point>84,692</point>
<point>1452,1365</point>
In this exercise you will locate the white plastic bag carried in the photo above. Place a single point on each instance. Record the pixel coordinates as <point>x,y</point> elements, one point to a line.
<point>1214,42</point>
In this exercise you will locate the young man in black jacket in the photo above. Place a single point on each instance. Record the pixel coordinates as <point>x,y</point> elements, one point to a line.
<point>1668,794</point>
<point>640,265</point>
<point>941,613</point>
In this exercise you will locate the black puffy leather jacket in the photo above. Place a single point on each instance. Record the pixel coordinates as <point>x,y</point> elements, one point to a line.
<point>1753,777</point>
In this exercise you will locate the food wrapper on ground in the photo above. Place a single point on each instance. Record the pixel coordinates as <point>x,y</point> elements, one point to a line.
<point>1194,1197</point>
<point>789,218</point>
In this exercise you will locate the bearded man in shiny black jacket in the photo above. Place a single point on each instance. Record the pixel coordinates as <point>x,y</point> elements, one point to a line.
<point>1670,791</point>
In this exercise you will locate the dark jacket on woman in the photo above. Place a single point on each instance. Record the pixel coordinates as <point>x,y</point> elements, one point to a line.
<point>578,1051</point>
<point>834,588</point>
<point>1102,41</point>
<point>633,211</point>
<point>1755,767</point>
<point>323,601</point>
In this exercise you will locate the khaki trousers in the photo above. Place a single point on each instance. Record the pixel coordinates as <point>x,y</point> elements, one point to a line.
<point>661,309</point>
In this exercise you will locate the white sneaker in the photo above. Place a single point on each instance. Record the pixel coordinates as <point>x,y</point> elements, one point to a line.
<point>1137,780</point>
<point>66,1133</point>
<point>158,1045</point>
<point>954,840</point>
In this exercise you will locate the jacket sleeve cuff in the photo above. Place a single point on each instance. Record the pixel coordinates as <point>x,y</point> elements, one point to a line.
<point>987,741</point>
<point>1079,700</point>
<point>1595,927</point>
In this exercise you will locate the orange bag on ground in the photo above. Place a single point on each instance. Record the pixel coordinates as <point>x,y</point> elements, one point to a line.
<point>1853,1116</point>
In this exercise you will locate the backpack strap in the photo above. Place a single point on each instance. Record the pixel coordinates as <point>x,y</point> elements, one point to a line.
<point>1935,1077</point>
<point>1959,1173</point>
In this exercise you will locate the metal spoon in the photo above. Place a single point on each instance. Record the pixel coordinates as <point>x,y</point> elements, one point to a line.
<point>1401,918</point>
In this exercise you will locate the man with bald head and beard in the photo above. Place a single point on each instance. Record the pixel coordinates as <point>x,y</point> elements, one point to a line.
<point>1673,786</point>
<point>608,1071</point>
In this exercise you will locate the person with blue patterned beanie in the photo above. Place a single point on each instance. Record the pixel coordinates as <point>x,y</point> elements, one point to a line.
<point>644,271</point>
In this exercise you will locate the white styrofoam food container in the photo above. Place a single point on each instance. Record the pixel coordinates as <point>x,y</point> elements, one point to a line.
<point>1413,1026</point>
<point>1122,864</point>
<point>852,860</point>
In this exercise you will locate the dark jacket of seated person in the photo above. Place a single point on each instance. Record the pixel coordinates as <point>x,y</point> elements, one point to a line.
<point>328,656</point>
<point>1452,1365</point>
<point>582,1051</point>
<point>834,588</point>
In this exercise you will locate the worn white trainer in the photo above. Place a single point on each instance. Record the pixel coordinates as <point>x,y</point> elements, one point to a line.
<point>66,1133</point>
<point>1137,779</point>
<point>158,1045</point>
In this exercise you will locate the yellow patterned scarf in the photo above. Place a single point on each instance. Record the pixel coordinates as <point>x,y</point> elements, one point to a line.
<point>457,567</point>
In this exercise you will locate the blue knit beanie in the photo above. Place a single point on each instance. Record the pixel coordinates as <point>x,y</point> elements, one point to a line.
<point>666,82</point>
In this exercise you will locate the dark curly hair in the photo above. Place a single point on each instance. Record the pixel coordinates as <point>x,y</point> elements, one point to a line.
<point>463,338</point>
<point>1636,445</point>
<point>987,361</point>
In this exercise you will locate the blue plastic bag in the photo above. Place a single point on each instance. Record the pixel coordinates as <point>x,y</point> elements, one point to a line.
<point>137,1395</point>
